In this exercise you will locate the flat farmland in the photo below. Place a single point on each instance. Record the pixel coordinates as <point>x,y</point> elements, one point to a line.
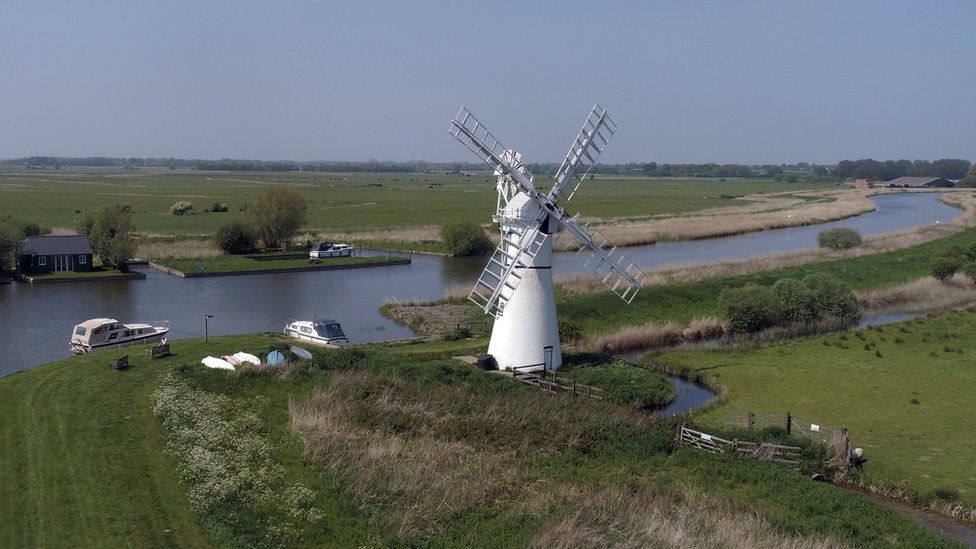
<point>345,202</point>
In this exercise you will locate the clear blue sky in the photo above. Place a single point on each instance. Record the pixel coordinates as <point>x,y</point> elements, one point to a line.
<point>749,82</point>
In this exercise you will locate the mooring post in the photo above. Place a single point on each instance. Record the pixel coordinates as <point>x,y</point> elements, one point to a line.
<point>789,423</point>
<point>749,419</point>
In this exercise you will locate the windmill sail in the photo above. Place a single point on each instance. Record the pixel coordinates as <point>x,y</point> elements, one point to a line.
<point>583,153</point>
<point>519,246</point>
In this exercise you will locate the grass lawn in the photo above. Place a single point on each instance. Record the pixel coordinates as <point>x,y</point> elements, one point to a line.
<point>622,382</point>
<point>911,408</point>
<point>344,202</point>
<point>237,263</point>
<point>85,462</point>
<point>603,311</point>
<point>99,273</point>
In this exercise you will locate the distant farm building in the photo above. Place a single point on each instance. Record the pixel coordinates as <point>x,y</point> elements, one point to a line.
<point>919,182</point>
<point>55,254</point>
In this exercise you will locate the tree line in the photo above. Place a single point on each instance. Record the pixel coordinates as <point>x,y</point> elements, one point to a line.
<point>868,168</point>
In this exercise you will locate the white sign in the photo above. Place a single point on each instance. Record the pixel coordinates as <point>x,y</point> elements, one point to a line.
<point>814,427</point>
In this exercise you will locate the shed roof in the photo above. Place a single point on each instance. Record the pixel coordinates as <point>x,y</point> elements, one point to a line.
<point>57,245</point>
<point>913,181</point>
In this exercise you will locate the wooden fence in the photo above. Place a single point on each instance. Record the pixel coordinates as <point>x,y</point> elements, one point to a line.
<point>764,451</point>
<point>550,382</point>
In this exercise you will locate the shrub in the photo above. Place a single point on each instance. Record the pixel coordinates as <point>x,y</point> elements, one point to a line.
<point>946,263</point>
<point>569,330</point>
<point>466,238</point>
<point>832,298</point>
<point>457,334</point>
<point>969,269</point>
<point>181,208</point>
<point>218,207</point>
<point>795,300</point>
<point>839,239</point>
<point>750,308</point>
<point>235,238</point>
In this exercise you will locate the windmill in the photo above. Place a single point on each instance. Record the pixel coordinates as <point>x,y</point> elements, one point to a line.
<point>516,286</point>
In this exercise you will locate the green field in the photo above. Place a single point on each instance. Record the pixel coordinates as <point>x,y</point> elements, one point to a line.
<point>343,202</point>
<point>86,462</point>
<point>905,392</point>
<point>238,263</point>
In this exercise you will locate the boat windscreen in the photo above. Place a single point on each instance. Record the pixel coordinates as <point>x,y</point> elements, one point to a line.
<point>329,330</point>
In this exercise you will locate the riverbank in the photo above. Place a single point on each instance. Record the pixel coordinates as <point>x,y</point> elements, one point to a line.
<point>228,265</point>
<point>91,276</point>
<point>79,438</point>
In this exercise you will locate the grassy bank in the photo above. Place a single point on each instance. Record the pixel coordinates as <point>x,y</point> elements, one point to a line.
<point>241,264</point>
<point>351,440</point>
<point>95,274</point>
<point>904,391</point>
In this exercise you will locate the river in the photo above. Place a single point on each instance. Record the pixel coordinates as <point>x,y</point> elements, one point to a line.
<point>36,319</point>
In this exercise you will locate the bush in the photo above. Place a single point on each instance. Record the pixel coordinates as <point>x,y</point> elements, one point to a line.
<point>569,330</point>
<point>945,263</point>
<point>457,334</point>
<point>969,269</point>
<point>839,239</point>
<point>750,308</point>
<point>795,300</point>
<point>218,207</point>
<point>466,238</point>
<point>831,298</point>
<point>181,208</point>
<point>235,238</point>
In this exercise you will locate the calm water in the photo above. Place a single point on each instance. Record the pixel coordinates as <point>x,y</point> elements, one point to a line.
<point>36,320</point>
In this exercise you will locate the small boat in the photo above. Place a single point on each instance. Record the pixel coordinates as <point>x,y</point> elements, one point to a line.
<point>243,357</point>
<point>217,363</point>
<point>320,332</point>
<point>300,353</point>
<point>323,250</point>
<point>275,358</point>
<point>101,333</point>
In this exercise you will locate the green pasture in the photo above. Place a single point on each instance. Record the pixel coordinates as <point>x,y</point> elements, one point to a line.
<point>343,202</point>
<point>85,462</point>
<point>905,391</point>
<point>237,263</point>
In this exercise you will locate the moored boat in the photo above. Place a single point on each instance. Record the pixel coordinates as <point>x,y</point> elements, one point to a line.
<point>325,332</point>
<point>101,333</point>
<point>323,250</point>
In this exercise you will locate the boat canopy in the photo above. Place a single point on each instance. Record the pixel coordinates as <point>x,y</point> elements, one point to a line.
<point>328,328</point>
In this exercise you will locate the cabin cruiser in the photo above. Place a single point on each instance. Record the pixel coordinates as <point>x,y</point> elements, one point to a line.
<point>323,250</point>
<point>321,332</point>
<point>99,333</point>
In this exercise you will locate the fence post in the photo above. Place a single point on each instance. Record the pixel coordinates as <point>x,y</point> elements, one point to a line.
<point>574,387</point>
<point>750,419</point>
<point>789,423</point>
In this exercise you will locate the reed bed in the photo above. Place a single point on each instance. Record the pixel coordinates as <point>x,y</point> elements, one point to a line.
<point>419,454</point>
<point>179,249</point>
<point>640,517</point>
<point>925,295</point>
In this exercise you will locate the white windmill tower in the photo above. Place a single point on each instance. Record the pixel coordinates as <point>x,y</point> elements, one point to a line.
<point>516,286</point>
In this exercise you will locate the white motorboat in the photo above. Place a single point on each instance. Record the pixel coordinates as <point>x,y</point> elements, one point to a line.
<point>320,332</point>
<point>323,250</point>
<point>100,333</point>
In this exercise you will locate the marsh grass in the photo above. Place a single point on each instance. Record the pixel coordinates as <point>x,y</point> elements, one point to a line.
<point>645,518</point>
<point>924,295</point>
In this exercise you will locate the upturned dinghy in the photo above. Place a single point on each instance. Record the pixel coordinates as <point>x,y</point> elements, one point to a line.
<point>217,363</point>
